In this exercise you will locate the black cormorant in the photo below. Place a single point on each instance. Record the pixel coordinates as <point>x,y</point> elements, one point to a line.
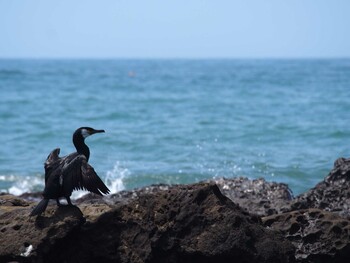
<point>71,172</point>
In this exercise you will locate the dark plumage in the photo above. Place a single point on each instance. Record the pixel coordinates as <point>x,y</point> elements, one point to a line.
<point>71,172</point>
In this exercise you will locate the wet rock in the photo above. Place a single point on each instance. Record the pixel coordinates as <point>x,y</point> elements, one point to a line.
<point>257,196</point>
<point>223,220</point>
<point>135,193</point>
<point>194,223</point>
<point>318,235</point>
<point>254,196</point>
<point>332,194</point>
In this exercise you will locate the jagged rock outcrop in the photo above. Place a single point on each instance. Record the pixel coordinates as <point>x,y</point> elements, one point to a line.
<point>318,235</point>
<point>194,223</point>
<point>223,220</point>
<point>21,236</point>
<point>332,194</point>
<point>257,196</point>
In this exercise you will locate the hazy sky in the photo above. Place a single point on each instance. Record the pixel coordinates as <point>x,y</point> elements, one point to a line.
<point>174,28</point>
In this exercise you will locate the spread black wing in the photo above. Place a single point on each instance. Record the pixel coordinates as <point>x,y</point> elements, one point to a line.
<point>78,174</point>
<point>52,163</point>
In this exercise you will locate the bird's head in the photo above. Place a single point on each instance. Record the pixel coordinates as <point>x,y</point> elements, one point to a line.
<point>87,131</point>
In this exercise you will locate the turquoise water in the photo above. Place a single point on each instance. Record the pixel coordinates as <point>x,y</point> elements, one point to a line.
<point>176,121</point>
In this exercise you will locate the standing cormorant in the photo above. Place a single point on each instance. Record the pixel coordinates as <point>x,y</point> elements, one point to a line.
<point>71,172</point>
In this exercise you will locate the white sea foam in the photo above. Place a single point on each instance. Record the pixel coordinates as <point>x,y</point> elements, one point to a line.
<point>27,184</point>
<point>6,178</point>
<point>115,177</point>
<point>77,194</point>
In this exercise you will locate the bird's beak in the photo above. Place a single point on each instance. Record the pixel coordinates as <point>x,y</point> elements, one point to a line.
<point>97,131</point>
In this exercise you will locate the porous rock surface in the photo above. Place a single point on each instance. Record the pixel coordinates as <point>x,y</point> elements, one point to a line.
<point>193,223</point>
<point>332,194</point>
<point>318,235</point>
<point>257,196</point>
<point>223,220</point>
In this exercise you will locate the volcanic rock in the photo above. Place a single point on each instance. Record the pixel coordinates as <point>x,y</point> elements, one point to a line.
<point>332,194</point>
<point>223,220</point>
<point>318,235</point>
<point>23,238</point>
<point>257,196</point>
<point>194,223</point>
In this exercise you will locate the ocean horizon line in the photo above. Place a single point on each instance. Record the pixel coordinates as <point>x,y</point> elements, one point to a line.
<point>282,58</point>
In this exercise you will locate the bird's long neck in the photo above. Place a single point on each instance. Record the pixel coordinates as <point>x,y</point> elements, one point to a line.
<point>81,147</point>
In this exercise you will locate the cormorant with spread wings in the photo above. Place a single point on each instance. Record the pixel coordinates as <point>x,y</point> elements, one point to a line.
<point>71,172</point>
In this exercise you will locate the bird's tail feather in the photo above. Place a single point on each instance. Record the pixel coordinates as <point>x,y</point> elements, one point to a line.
<point>40,208</point>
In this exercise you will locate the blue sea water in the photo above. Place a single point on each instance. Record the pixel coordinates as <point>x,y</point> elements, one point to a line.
<point>176,121</point>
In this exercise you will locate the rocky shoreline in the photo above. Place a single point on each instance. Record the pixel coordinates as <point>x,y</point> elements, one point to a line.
<point>223,220</point>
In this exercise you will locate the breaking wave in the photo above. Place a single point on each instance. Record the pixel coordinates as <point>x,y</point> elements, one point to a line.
<point>17,185</point>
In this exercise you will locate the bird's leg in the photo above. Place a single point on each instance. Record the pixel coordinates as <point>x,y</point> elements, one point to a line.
<point>69,201</point>
<point>58,202</point>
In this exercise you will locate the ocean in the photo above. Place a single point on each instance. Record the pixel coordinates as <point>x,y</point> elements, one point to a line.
<point>176,121</point>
